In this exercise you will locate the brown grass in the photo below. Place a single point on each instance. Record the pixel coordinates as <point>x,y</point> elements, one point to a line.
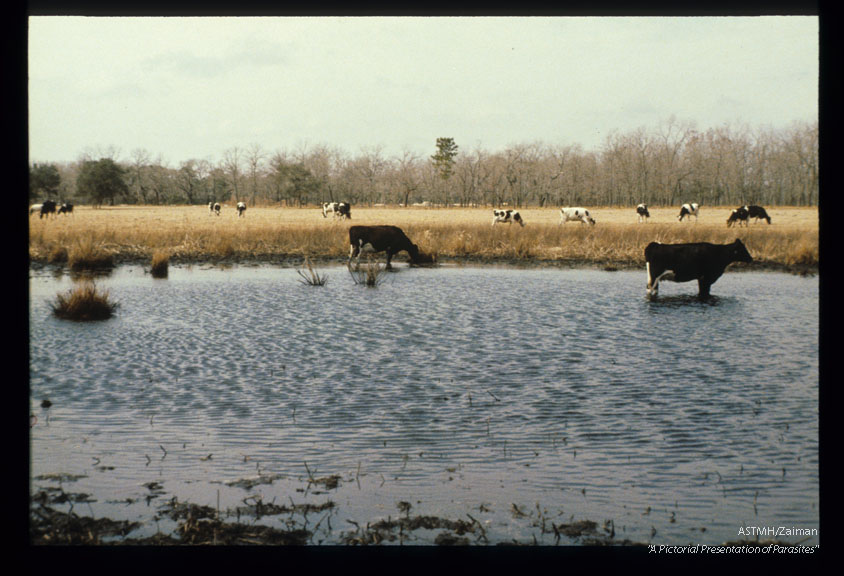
<point>159,264</point>
<point>190,234</point>
<point>86,252</point>
<point>84,302</point>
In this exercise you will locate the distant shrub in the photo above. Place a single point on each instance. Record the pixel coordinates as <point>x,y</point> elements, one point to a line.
<point>84,302</point>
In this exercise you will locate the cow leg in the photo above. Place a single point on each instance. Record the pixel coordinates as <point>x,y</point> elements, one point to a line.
<point>703,288</point>
<point>653,284</point>
<point>389,257</point>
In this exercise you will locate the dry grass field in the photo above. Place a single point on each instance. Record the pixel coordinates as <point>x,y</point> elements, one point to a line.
<point>289,235</point>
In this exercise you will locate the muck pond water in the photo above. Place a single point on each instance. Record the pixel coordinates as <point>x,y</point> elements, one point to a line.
<point>517,400</point>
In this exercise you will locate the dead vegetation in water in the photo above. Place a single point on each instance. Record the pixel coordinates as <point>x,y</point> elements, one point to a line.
<point>84,302</point>
<point>370,274</point>
<point>159,265</point>
<point>311,277</point>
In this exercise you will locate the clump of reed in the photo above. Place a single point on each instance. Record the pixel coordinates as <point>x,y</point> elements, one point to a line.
<point>159,264</point>
<point>311,277</point>
<point>88,254</point>
<point>57,255</point>
<point>84,302</point>
<point>370,274</point>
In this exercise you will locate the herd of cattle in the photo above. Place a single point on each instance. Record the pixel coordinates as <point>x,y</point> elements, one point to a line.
<point>701,261</point>
<point>50,207</point>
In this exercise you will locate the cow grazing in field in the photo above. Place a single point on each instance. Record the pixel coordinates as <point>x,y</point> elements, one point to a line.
<point>389,239</point>
<point>689,210</point>
<point>341,209</point>
<point>35,209</point>
<point>642,211</point>
<point>241,208</point>
<point>699,261</point>
<point>214,208</point>
<point>508,216</point>
<point>581,214</point>
<point>739,215</point>
<point>47,208</point>
<point>66,208</point>
<point>758,213</point>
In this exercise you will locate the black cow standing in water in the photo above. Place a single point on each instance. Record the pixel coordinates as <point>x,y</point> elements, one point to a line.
<point>389,239</point>
<point>699,261</point>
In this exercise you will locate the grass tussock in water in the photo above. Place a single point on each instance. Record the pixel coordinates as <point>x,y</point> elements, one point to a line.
<point>84,302</point>
<point>87,253</point>
<point>159,264</point>
<point>187,233</point>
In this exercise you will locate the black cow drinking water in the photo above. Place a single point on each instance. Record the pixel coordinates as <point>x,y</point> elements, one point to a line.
<point>389,239</point>
<point>699,261</point>
<point>758,213</point>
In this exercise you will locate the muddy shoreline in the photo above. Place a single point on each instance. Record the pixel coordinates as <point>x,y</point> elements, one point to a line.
<point>296,261</point>
<point>55,520</point>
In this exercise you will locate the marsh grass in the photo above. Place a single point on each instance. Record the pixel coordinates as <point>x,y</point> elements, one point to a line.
<point>84,302</point>
<point>159,265</point>
<point>462,234</point>
<point>311,277</point>
<point>87,253</point>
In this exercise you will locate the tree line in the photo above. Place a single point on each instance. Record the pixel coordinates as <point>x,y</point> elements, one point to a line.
<point>668,165</point>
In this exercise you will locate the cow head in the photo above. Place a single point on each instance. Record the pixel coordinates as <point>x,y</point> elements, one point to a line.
<point>740,253</point>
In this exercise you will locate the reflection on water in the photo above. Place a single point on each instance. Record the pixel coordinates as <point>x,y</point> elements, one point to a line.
<point>460,390</point>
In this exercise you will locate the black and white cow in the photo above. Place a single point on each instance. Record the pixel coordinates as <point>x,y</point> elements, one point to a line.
<point>758,213</point>
<point>241,208</point>
<point>689,210</point>
<point>66,208</point>
<point>35,209</point>
<point>739,215</point>
<point>389,239</point>
<point>508,216</point>
<point>341,209</point>
<point>214,208</point>
<point>581,214</point>
<point>642,211</point>
<point>699,261</point>
<point>47,208</point>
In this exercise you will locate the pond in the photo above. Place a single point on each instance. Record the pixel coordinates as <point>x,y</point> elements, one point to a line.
<point>517,398</point>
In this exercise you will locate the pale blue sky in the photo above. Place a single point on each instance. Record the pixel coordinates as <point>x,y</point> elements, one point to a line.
<point>195,87</point>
